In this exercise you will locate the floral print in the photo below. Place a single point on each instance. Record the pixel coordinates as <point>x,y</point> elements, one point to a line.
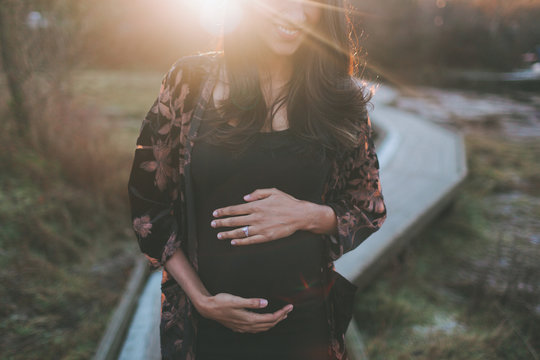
<point>161,165</point>
<point>356,197</point>
<point>142,225</point>
<point>161,210</point>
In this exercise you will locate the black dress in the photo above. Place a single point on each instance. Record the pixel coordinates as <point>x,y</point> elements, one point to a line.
<point>283,271</point>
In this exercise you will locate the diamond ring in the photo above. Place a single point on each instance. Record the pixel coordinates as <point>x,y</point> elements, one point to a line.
<point>246,231</point>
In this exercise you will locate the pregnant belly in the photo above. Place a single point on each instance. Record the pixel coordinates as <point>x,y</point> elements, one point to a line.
<point>282,271</point>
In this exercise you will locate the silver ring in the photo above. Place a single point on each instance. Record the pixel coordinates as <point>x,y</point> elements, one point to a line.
<point>246,231</point>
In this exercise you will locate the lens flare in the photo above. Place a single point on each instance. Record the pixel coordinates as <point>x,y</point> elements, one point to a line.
<point>212,14</point>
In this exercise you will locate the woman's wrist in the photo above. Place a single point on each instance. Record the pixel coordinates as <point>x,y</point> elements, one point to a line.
<point>318,219</point>
<point>203,304</point>
<point>181,270</point>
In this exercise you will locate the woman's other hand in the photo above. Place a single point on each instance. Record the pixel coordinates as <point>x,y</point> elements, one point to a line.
<point>232,312</point>
<point>271,214</point>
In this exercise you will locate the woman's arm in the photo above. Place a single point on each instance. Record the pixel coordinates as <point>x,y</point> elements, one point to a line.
<point>357,198</point>
<point>181,270</point>
<point>151,186</point>
<point>227,309</point>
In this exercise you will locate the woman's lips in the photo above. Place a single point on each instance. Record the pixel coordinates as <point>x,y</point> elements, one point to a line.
<point>287,33</point>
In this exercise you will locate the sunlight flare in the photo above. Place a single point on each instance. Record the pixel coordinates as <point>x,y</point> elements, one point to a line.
<point>212,14</point>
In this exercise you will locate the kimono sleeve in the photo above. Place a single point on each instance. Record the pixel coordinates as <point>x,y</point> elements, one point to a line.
<point>357,198</point>
<point>153,183</point>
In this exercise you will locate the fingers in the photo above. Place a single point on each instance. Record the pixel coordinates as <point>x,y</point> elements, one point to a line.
<point>232,221</point>
<point>253,303</point>
<point>255,239</point>
<point>273,318</point>
<point>260,194</point>
<point>233,312</point>
<point>245,208</point>
<point>233,210</point>
<point>257,303</point>
<point>264,322</point>
<point>237,233</point>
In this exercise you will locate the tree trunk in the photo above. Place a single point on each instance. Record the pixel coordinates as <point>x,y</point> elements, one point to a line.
<point>14,62</point>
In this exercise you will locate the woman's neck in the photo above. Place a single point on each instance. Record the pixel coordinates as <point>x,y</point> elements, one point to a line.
<point>274,72</point>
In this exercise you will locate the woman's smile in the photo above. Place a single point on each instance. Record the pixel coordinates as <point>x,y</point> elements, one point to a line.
<point>282,24</point>
<point>287,33</point>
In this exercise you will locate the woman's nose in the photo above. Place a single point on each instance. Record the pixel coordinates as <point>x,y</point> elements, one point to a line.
<point>293,14</point>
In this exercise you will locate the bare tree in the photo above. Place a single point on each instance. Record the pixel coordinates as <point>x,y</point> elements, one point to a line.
<point>16,68</point>
<point>38,50</point>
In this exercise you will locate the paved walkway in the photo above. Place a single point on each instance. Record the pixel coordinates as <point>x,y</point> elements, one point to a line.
<point>142,339</point>
<point>422,165</point>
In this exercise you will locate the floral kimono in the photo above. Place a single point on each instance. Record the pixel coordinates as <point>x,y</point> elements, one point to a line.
<point>162,209</point>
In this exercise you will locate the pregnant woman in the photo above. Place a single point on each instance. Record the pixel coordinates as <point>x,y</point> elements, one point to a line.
<point>254,170</point>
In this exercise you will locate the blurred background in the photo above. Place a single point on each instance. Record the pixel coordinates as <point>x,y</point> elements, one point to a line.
<point>78,77</point>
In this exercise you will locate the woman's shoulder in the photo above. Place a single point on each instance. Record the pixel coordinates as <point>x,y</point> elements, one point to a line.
<point>193,67</point>
<point>200,59</point>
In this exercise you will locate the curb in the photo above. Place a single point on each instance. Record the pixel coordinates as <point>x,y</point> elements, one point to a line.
<point>111,342</point>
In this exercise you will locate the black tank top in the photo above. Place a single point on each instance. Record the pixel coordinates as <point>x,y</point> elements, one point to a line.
<point>283,271</point>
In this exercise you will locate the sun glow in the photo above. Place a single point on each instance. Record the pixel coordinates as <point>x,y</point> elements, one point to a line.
<point>212,13</point>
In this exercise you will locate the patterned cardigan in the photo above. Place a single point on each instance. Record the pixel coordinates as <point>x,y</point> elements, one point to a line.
<point>161,200</point>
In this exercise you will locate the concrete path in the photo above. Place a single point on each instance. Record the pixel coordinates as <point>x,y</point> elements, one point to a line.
<point>142,339</point>
<point>422,165</point>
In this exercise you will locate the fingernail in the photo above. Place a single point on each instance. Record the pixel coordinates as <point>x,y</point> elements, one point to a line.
<point>263,302</point>
<point>214,213</point>
<point>219,236</point>
<point>233,242</point>
<point>247,197</point>
<point>290,309</point>
<point>213,223</point>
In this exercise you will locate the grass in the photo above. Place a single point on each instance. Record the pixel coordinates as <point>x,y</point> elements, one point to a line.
<point>467,287</point>
<point>119,94</point>
<point>56,290</point>
<point>66,245</point>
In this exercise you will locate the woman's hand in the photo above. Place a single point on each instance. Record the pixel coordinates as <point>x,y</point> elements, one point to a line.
<point>270,214</point>
<point>230,311</point>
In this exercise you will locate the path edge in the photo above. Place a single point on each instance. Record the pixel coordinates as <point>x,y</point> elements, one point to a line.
<point>111,342</point>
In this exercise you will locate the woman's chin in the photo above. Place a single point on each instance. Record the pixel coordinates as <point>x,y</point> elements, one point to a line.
<point>283,49</point>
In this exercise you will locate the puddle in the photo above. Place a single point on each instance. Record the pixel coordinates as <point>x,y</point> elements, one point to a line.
<point>518,115</point>
<point>442,323</point>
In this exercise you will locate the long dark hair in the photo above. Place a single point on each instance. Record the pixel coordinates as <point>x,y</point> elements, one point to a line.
<point>326,104</point>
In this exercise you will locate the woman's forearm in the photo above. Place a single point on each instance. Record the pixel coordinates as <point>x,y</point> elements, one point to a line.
<point>182,271</point>
<point>229,310</point>
<point>319,219</point>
